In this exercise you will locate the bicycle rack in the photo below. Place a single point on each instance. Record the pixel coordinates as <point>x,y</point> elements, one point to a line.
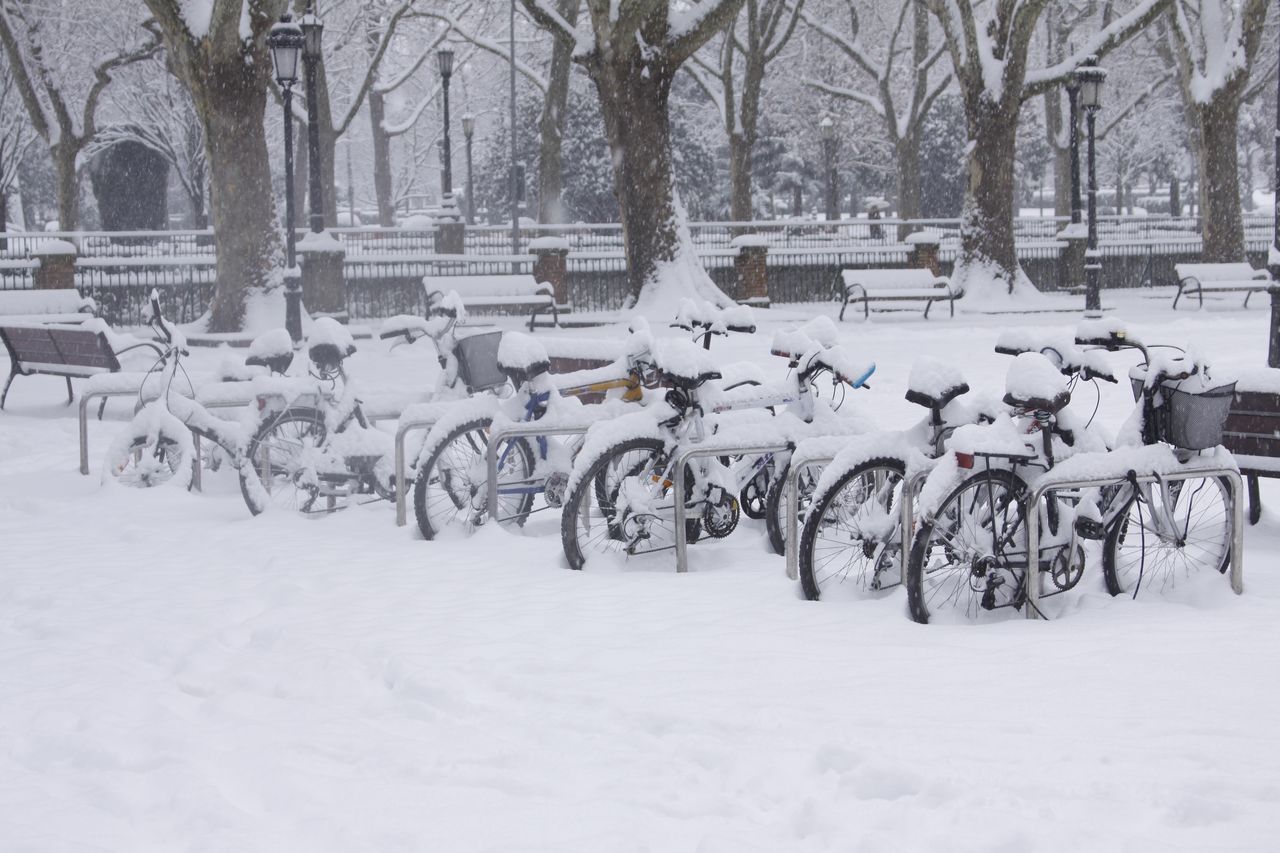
<point>1237,521</point>
<point>697,451</point>
<point>403,429</point>
<point>532,429</point>
<point>906,510</point>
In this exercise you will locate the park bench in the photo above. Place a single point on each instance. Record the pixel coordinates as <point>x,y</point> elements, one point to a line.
<point>1252,432</point>
<point>64,306</point>
<point>501,293</point>
<point>57,349</point>
<point>863,287</point>
<point>1199,279</point>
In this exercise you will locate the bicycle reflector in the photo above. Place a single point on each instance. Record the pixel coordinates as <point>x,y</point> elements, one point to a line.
<point>964,460</point>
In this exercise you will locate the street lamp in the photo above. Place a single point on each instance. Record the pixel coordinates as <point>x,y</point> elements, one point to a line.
<point>1091,78</point>
<point>444,58</point>
<point>1273,257</point>
<point>285,42</point>
<point>312,33</point>
<point>1073,143</point>
<point>828,130</point>
<point>468,130</point>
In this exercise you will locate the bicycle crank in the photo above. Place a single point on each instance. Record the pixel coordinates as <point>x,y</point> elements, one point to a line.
<point>721,516</point>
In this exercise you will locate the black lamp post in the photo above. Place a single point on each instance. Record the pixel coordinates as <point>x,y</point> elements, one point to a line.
<point>444,57</point>
<point>312,33</point>
<point>1091,78</point>
<point>285,42</point>
<point>468,130</point>
<point>1273,257</point>
<point>1073,143</point>
<point>828,129</point>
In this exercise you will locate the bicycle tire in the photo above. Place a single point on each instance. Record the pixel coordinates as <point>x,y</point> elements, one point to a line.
<point>845,507</point>
<point>775,524</point>
<point>449,471</point>
<point>279,442</point>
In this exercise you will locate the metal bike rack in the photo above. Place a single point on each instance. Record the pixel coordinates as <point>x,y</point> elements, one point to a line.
<point>402,430</point>
<point>681,461</point>
<point>906,510</point>
<point>532,429</point>
<point>1038,492</point>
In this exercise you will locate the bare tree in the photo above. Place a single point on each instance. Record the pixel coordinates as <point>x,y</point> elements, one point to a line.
<point>903,122</point>
<point>733,78</point>
<point>989,44</point>
<point>16,136</point>
<point>1213,43</point>
<point>632,54</point>
<point>227,70</point>
<point>60,90</point>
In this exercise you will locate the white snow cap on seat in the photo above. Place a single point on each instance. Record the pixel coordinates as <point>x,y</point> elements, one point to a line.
<point>1033,376</point>
<point>520,352</point>
<point>933,378</point>
<point>326,330</point>
<point>682,358</point>
<point>272,344</point>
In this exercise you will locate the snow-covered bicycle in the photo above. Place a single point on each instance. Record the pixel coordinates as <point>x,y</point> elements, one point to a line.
<point>621,500</point>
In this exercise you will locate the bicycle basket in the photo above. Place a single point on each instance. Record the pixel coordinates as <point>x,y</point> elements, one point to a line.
<point>1194,421</point>
<point>478,361</point>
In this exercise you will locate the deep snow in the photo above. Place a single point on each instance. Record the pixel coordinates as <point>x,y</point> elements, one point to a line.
<point>175,675</point>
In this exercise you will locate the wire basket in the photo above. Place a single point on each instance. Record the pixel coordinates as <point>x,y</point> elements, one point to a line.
<point>1191,420</point>
<point>478,361</point>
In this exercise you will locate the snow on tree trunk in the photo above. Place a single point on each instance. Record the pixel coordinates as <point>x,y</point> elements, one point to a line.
<point>661,262</point>
<point>986,226</point>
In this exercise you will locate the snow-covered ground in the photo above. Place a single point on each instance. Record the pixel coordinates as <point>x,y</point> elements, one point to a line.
<point>175,675</point>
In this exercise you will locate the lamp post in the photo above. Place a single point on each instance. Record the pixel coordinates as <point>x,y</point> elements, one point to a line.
<point>511,178</point>
<point>468,130</point>
<point>1273,257</point>
<point>828,130</point>
<point>1073,143</point>
<point>312,33</point>
<point>1091,78</point>
<point>285,42</point>
<point>444,59</point>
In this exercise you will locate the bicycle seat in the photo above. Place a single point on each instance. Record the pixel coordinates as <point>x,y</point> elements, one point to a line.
<point>1035,383</point>
<point>682,364</point>
<point>522,358</point>
<point>686,382</point>
<point>933,384</point>
<point>272,350</point>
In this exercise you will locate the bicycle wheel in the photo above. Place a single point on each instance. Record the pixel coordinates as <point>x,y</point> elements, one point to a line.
<point>1151,547</point>
<point>280,467</point>
<point>622,506</point>
<point>144,461</point>
<point>970,558</point>
<point>452,487</point>
<point>754,496</point>
<point>775,521</point>
<point>851,542</point>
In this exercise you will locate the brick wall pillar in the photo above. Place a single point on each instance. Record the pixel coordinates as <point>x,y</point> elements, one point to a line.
<point>451,231</point>
<point>324,287</point>
<point>924,251</point>
<point>550,265</point>
<point>751,265</point>
<point>1071,260</point>
<point>57,270</point>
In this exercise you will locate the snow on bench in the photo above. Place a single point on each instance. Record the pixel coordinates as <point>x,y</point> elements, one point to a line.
<point>45,306</point>
<point>497,292</point>
<point>1198,279</point>
<point>898,285</point>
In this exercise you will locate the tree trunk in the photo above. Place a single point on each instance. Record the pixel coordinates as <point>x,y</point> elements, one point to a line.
<point>381,161</point>
<point>797,201</point>
<point>231,99</point>
<point>1216,135</point>
<point>301,169</point>
<point>551,124</point>
<point>633,99</point>
<point>66,186</point>
<point>909,190</point>
<point>328,183</point>
<point>740,155</point>
<point>1175,197</point>
<point>986,228</point>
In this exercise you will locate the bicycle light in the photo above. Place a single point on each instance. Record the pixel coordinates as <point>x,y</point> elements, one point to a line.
<point>964,460</point>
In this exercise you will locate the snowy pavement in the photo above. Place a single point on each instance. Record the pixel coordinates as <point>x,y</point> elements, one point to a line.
<point>175,675</point>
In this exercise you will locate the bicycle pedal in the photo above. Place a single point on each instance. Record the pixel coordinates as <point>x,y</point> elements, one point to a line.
<point>1090,528</point>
